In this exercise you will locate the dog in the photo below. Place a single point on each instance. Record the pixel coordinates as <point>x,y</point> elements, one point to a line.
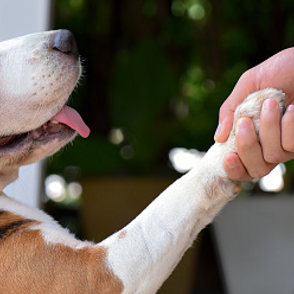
<point>38,72</point>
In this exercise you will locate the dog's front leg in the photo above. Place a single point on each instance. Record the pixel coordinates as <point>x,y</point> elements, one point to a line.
<point>144,253</point>
<point>38,256</point>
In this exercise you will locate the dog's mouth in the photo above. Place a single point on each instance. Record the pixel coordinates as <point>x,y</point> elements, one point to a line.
<point>67,120</point>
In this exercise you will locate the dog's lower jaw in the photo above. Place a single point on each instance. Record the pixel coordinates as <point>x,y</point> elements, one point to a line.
<point>167,228</point>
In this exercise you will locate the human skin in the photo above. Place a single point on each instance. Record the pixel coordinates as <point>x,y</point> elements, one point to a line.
<point>256,158</point>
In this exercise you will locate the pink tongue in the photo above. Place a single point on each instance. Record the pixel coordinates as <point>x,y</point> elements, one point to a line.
<point>71,118</point>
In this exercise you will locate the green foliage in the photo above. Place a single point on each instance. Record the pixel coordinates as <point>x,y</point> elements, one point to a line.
<point>142,84</point>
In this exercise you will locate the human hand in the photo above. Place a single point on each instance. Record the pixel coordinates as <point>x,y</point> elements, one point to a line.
<point>255,159</point>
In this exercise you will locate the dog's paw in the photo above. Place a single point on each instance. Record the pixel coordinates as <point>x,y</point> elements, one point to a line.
<point>252,105</point>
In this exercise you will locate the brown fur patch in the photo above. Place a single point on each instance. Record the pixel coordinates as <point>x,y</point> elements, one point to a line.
<point>11,223</point>
<point>122,234</point>
<point>219,186</point>
<point>30,266</point>
<point>215,187</point>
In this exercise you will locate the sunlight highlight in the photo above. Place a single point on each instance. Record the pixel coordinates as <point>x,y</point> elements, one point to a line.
<point>274,181</point>
<point>183,159</point>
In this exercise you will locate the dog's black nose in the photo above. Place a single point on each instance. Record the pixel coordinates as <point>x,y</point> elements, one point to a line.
<point>64,41</point>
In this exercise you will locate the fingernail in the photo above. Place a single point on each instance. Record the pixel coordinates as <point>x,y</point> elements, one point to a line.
<point>270,104</point>
<point>290,108</point>
<point>218,131</point>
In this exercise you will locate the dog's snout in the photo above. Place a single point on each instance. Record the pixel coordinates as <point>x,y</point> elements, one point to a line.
<point>64,42</point>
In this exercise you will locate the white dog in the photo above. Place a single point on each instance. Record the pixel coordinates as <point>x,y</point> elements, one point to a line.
<point>37,74</point>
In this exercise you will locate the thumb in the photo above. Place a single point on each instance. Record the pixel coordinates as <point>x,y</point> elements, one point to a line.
<point>224,127</point>
<point>245,86</point>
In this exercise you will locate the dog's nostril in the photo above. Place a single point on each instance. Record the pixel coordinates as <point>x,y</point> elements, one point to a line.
<point>64,41</point>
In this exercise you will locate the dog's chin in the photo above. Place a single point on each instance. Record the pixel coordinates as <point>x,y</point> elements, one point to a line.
<point>26,148</point>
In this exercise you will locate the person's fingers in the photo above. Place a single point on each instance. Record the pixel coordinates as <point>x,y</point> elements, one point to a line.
<point>276,72</point>
<point>235,169</point>
<point>256,159</point>
<point>270,132</point>
<point>224,128</point>
<point>276,135</point>
<point>250,151</point>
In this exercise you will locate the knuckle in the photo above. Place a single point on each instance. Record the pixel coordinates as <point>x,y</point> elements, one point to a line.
<point>258,173</point>
<point>247,76</point>
<point>272,157</point>
<point>288,146</point>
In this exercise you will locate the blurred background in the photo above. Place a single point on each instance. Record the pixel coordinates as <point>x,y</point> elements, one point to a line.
<point>155,75</point>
